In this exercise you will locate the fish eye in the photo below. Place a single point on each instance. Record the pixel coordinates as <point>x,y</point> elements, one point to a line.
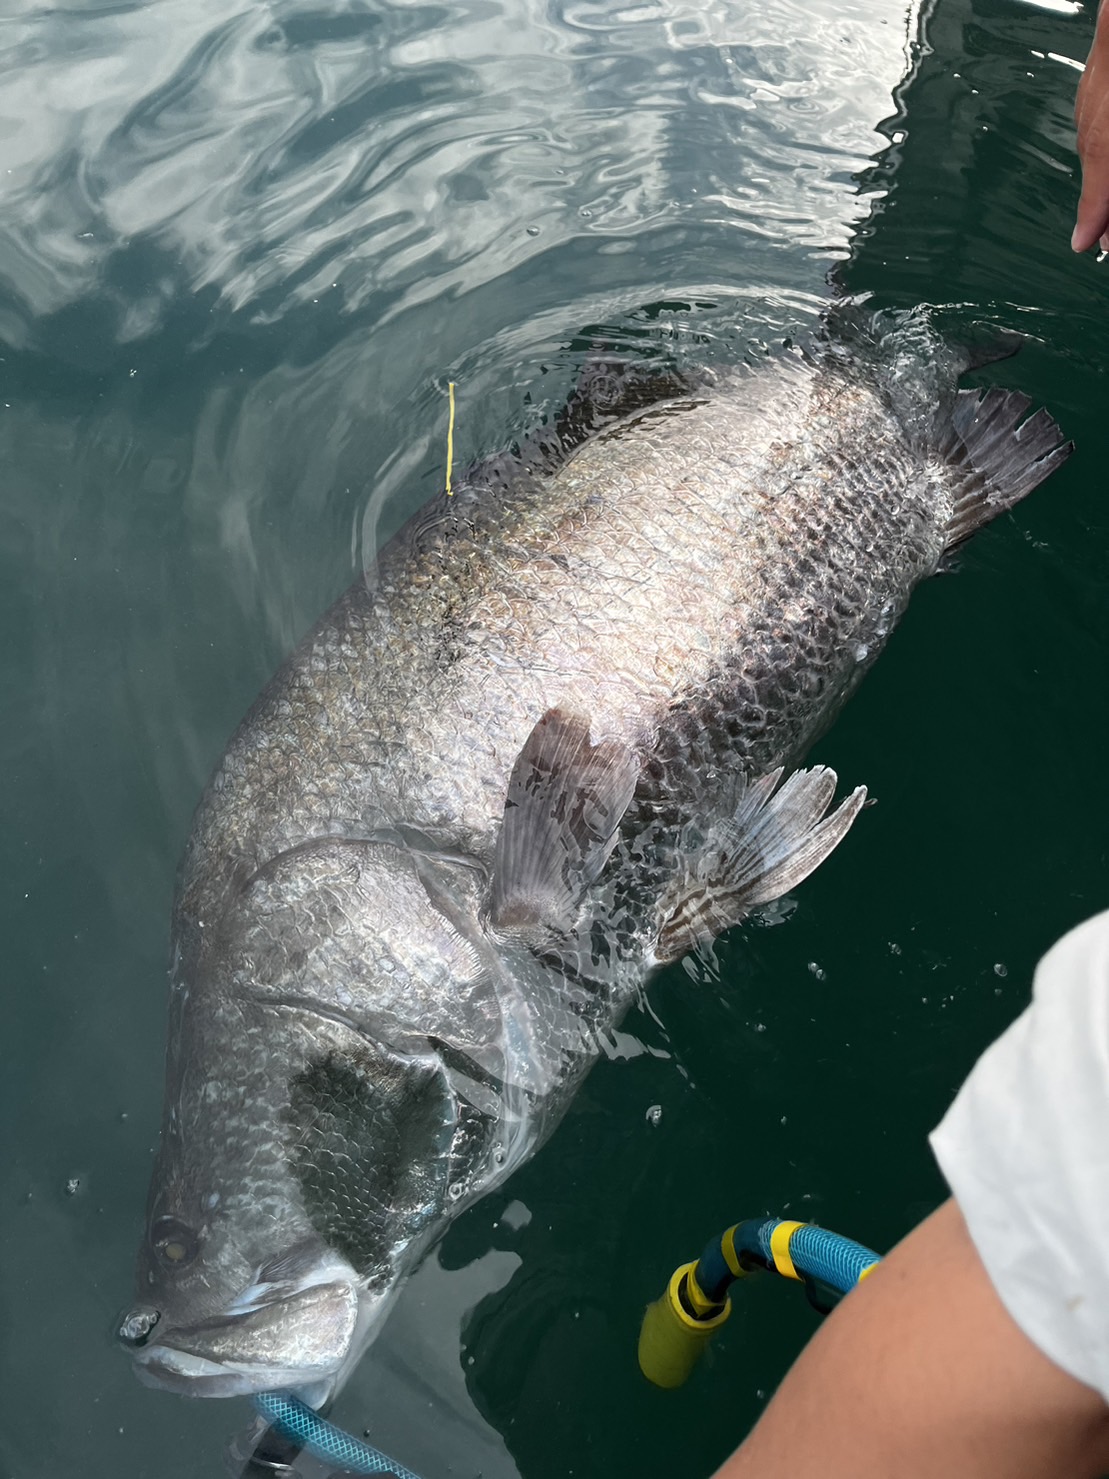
<point>174,1242</point>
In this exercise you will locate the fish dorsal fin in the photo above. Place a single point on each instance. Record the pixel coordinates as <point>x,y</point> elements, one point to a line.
<point>613,387</point>
<point>566,797</point>
<point>994,458</point>
<point>771,843</point>
<point>610,389</point>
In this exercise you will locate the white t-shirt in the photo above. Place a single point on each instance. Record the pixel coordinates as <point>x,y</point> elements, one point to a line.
<point>1025,1150</point>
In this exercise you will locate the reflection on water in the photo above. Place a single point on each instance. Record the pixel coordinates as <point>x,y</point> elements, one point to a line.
<point>242,251</point>
<point>411,1393</point>
<point>396,153</point>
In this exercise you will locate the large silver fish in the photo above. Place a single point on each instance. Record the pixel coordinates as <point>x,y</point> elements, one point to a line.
<point>547,746</point>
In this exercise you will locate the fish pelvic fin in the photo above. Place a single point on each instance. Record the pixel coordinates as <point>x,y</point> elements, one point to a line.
<point>566,798</point>
<point>774,839</point>
<point>995,457</point>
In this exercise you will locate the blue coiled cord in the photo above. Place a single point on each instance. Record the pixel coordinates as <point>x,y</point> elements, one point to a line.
<point>814,1252</point>
<point>295,1420</point>
<point>820,1254</point>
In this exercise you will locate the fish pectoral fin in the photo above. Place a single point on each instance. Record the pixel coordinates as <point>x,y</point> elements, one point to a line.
<point>566,797</point>
<point>995,457</point>
<point>772,842</point>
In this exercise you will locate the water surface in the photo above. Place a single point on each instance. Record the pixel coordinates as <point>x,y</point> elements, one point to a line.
<point>242,252</point>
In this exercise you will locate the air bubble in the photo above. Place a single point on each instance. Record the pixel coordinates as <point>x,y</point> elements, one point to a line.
<point>454,1191</point>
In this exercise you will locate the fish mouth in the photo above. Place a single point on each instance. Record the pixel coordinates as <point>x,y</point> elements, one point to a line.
<point>298,1342</point>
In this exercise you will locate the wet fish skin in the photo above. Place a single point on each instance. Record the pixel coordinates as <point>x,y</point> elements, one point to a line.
<point>381,1000</point>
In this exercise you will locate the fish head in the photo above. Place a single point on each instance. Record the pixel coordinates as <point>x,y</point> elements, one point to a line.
<point>236,1290</point>
<point>289,1325</point>
<point>312,1146</point>
<point>273,1270</point>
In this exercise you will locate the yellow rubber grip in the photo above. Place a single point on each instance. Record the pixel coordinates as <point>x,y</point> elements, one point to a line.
<point>779,1249</point>
<point>702,1305</point>
<point>671,1339</point>
<point>673,1297</point>
<point>731,1257</point>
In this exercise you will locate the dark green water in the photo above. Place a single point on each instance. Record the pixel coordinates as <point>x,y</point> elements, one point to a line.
<point>240,256</point>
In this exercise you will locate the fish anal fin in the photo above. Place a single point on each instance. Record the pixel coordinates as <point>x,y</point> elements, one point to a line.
<point>566,798</point>
<point>775,838</point>
<point>995,458</point>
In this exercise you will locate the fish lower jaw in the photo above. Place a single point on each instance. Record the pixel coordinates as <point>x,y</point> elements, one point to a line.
<point>171,1370</point>
<point>299,1343</point>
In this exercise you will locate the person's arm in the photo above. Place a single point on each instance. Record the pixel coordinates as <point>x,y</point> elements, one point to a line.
<point>1091,115</point>
<point>921,1373</point>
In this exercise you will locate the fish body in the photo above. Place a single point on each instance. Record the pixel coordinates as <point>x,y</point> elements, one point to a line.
<point>538,752</point>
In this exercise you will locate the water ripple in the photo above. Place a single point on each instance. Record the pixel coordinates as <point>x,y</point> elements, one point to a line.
<point>287,150</point>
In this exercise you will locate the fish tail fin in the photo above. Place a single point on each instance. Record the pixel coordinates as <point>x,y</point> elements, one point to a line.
<point>773,841</point>
<point>995,457</point>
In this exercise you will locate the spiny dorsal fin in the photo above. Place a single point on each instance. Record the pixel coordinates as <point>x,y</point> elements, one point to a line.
<point>610,389</point>
<point>771,843</point>
<point>565,800</point>
<point>995,460</point>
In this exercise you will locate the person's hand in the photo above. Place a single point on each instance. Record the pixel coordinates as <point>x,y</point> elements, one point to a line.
<point>1091,115</point>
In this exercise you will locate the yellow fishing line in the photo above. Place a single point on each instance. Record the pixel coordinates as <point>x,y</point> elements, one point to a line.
<point>450,437</point>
